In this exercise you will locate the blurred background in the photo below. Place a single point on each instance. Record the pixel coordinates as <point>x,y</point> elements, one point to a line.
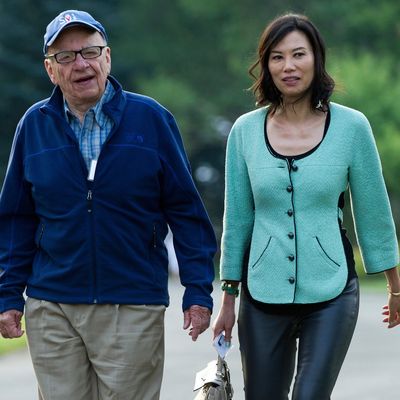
<point>193,57</point>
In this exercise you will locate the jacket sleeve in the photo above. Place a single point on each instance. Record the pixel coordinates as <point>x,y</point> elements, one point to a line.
<point>194,238</point>
<point>18,224</point>
<point>238,218</point>
<point>374,225</point>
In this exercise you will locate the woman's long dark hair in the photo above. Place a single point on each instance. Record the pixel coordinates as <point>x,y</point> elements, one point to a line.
<point>264,89</point>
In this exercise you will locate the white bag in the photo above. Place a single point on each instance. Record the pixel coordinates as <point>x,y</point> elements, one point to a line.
<point>214,381</point>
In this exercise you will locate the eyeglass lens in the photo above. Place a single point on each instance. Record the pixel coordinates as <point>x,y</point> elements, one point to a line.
<point>86,53</point>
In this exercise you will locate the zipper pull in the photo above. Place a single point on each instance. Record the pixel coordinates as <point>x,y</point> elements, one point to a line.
<point>89,198</point>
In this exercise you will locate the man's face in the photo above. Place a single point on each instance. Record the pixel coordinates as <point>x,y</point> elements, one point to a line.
<point>82,81</point>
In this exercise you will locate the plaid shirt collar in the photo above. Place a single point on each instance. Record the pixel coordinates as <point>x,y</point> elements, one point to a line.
<point>97,109</point>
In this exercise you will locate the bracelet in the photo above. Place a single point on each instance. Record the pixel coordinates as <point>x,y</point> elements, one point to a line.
<point>396,294</point>
<point>230,289</point>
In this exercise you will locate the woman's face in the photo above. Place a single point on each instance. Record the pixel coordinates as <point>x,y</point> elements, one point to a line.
<point>291,65</point>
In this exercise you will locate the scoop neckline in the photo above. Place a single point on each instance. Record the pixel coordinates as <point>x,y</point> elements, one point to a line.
<point>301,155</point>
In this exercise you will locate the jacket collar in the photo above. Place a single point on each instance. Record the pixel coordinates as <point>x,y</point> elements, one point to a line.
<point>114,108</point>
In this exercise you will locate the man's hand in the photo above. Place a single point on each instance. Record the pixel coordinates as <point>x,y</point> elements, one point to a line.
<point>198,318</point>
<point>10,324</point>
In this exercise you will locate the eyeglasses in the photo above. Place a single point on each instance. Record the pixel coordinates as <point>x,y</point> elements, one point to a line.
<point>65,57</point>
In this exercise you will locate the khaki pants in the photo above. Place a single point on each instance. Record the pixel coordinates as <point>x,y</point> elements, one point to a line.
<point>96,352</point>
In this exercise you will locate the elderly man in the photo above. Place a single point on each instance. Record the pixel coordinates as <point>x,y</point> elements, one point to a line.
<point>96,175</point>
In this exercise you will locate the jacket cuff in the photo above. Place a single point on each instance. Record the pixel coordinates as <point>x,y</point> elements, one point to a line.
<point>197,296</point>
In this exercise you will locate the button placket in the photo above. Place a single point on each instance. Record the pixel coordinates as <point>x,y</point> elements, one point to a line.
<point>291,279</point>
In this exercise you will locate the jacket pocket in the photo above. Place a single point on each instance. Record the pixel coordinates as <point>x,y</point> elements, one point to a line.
<point>263,254</point>
<point>323,253</point>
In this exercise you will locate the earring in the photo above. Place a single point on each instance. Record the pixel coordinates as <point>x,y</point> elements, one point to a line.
<point>319,106</point>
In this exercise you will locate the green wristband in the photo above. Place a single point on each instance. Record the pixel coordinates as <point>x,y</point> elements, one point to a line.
<point>230,289</point>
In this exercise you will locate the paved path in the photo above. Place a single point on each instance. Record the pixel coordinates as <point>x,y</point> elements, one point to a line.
<point>371,370</point>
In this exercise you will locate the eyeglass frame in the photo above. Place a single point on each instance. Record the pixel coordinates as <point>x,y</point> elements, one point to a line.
<point>76,52</point>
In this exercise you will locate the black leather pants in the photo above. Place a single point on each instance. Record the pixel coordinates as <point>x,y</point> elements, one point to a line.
<point>270,336</point>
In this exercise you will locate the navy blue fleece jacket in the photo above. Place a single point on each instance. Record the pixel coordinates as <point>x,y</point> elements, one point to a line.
<point>66,239</point>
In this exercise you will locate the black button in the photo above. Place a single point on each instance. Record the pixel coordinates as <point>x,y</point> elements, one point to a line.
<point>291,235</point>
<point>295,167</point>
<point>290,212</point>
<point>289,188</point>
<point>291,280</point>
<point>291,257</point>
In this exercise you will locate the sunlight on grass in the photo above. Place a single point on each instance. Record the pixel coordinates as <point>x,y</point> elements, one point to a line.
<point>7,345</point>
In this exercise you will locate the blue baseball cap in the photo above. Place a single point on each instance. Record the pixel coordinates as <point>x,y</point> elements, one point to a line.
<point>70,18</point>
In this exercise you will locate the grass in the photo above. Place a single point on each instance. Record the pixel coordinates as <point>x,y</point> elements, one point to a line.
<point>8,345</point>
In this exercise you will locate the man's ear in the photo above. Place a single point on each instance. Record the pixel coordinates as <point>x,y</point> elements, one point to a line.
<point>108,58</point>
<point>50,70</point>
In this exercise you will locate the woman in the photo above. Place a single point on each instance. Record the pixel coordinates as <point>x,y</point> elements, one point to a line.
<point>288,165</point>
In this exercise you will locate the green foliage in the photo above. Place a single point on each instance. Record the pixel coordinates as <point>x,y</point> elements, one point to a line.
<point>180,97</point>
<point>372,85</point>
<point>9,345</point>
<point>369,84</point>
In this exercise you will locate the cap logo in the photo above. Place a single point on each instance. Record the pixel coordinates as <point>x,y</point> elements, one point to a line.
<point>65,19</point>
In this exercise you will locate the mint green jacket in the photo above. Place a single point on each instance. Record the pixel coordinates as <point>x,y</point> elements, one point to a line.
<point>289,216</point>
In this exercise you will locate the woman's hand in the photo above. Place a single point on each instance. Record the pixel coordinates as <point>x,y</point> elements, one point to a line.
<point>392,311</point>
<point>226,317</point>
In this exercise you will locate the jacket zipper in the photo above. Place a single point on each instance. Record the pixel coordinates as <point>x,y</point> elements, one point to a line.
<point>154,236</point>
<point>89,199</point>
